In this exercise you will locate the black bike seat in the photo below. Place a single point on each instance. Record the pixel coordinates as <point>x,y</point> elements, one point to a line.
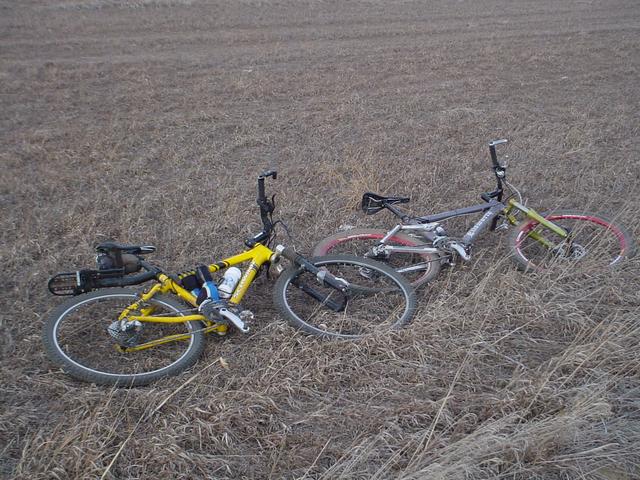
<point>374,197</point>
<point>388,200</point>
<point>123,247</point>
<point>373,203</point>
<point>396,199</point>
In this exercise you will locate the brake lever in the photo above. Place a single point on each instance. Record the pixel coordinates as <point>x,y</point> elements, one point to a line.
<point>267,206</point>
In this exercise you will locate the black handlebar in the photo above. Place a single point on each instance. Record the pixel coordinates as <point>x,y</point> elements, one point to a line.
<point>263,201</point>
<point>499,170</point>
<point>262,197</point>
<point>266,209</point>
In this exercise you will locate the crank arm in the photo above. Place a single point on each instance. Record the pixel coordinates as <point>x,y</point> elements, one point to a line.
<point>234,319</point>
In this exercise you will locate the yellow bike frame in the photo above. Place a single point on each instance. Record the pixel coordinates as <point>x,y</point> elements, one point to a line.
<point>257,256</point>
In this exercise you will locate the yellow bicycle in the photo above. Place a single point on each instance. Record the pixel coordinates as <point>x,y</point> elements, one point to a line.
<point>111,335</point>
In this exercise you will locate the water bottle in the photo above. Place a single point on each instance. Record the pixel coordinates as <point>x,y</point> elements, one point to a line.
<point>229,282</point>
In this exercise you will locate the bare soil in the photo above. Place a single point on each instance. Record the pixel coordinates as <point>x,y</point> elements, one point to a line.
<point>148,121</point>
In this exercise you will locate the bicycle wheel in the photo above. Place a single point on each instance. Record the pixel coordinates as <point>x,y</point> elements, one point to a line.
<point>377,298</point>
<point>417,268</point>
<point>594,242</point>
<point>76,337</point>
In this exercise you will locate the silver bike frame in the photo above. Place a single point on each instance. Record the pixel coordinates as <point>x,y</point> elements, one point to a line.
<point>426,228</point>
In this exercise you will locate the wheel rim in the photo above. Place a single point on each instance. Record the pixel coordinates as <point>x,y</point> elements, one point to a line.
<point>360,244</point>
<point>80,335</point>
<point>377,303</point>
<point>594,243</point>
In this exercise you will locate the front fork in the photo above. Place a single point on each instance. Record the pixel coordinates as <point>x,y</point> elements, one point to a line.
<point>532,214</point>
<point>323,276</point>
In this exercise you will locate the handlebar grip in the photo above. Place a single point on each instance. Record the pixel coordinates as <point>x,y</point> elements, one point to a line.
<point>269,173</point>
<point>261,191</point>
<point>492,150</point>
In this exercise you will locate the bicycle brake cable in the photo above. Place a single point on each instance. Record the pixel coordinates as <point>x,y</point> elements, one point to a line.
<point>515,190</point>
<point>286,229</point>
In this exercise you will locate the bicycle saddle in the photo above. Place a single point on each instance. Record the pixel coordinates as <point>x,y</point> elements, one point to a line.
<point>373,203</point>
<point>106,247</point>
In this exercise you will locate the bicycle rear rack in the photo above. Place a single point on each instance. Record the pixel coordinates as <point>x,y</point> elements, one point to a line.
<point>81,281</point>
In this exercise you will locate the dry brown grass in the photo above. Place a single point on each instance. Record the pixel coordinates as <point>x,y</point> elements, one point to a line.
<point>147,121</point>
